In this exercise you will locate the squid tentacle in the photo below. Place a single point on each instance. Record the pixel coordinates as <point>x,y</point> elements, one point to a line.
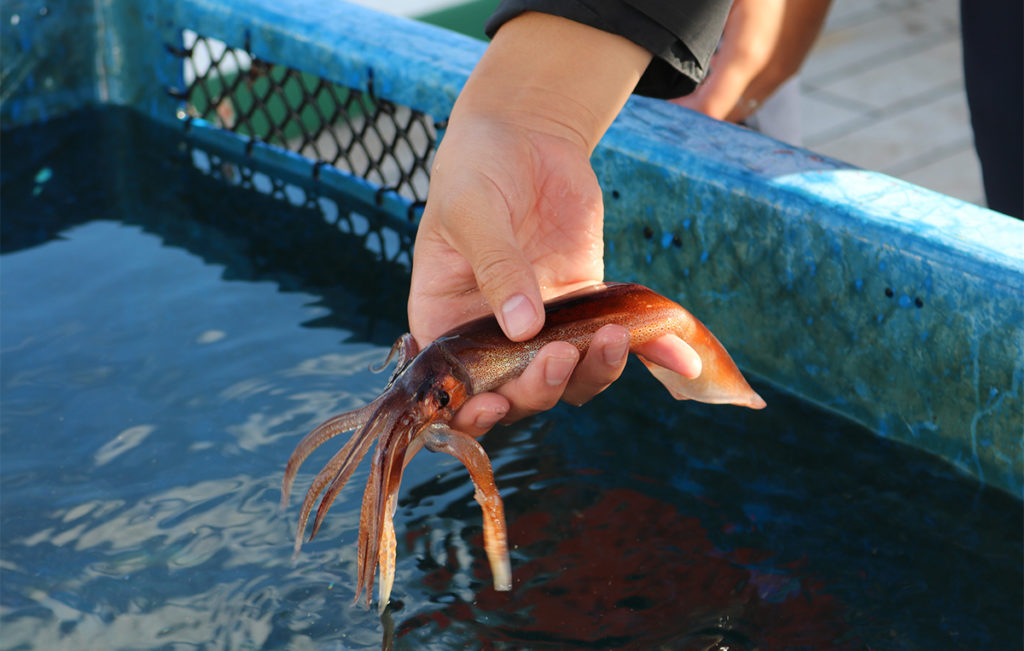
<point>337,472</point>
<point>323,433</point>
<point>388,544</point>
<point>369,494</point>
<point>386,553</point>
<point>441,438</point>
<point>402,351</point>
<point>342,458</point>
<point>343,464</point>
<point>385,477</point>
<point>369,527</point>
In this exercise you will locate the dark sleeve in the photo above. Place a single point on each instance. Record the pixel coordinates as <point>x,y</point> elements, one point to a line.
<point>682,34</point>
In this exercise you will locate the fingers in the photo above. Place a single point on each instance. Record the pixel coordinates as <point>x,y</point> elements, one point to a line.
<point>478,215</point>
<point>480,413</point>
<point>720,94</point>
<point>556,374</point>
<point>542,384</point>
<point>503,274</point>
<point>602,365</point>
<point>538,389</point>
<point>671,352</point>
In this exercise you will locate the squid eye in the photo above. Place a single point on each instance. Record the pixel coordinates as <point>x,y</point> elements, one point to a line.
<point>442,398</point>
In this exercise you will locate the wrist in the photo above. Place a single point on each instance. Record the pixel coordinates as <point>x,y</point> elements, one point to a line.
<point>553,75</point>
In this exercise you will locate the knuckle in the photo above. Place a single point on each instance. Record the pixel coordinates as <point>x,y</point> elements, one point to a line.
<point>494,268</point>
<point>541,400</point>
<point>580,394</point>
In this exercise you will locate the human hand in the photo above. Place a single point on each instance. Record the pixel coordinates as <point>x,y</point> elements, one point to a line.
<point>515,212</point>
<point>764,44</point>
<point>542,223</point>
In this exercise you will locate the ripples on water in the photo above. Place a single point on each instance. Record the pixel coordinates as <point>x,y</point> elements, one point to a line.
<point>164,347</point>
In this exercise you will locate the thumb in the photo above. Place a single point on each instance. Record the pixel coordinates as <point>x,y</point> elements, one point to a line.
<point>507,282</point>
<point>477,221</point>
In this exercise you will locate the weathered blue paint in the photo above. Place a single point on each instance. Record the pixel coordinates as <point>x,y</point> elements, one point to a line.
<point>896,306</point>
<point>49,52</point>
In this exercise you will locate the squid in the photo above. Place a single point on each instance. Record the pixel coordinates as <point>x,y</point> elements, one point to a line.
<point>428,386</point>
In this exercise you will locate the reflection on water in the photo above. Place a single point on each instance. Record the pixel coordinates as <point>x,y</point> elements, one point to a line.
<point>623,568</point>
<point>141,463</point>
<point>163,351</point>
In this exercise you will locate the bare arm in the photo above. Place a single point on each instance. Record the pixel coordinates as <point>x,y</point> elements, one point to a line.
<point>512,194</point>
<point>764,44</point>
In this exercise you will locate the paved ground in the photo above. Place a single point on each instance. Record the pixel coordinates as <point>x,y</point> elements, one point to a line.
<point>883,89</point>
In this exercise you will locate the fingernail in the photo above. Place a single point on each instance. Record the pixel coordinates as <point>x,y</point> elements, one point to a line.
<point>558,369</point>
<point>489,419</point>
<point>518,316</point>
<point>613,353</point>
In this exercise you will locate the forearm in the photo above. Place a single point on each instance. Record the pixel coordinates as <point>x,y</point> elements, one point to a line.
<point>554,75</point>
<point>515,211</point>
<point>801,24</point>
<point>764,44</point>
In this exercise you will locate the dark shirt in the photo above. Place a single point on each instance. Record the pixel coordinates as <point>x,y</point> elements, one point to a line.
<point>682,34</point>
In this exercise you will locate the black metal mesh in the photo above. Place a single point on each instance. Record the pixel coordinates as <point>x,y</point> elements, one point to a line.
<point>385,244</point>
<point>388,145</point>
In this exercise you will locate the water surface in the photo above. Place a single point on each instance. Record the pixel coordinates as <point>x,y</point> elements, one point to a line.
<point>168,335</point>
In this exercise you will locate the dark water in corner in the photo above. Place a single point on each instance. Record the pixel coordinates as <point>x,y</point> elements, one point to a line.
<point>167,335</point>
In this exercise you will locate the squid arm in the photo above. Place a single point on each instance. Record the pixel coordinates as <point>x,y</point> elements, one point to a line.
<point>441,438</point>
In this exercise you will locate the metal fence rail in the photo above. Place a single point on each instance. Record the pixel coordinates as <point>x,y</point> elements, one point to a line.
<point>353,130</point>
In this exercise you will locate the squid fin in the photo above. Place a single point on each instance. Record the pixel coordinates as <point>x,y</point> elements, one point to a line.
<point>711,386</point>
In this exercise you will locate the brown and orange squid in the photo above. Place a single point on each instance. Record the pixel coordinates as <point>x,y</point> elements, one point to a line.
<point>428,386</point>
